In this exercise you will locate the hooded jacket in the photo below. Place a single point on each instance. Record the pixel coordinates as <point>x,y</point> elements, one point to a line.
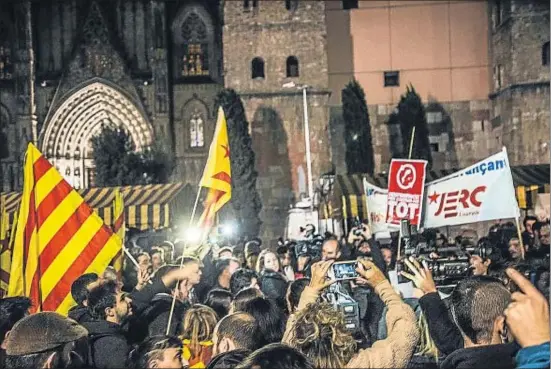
<point>491,356</point>
<point>80,314</point>
<point>108,345</point>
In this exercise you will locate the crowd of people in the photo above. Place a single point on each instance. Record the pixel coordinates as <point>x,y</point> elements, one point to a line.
<point>249,306</point>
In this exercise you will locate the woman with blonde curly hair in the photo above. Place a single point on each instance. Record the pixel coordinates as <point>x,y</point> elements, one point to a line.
<point>197,331</point>
<point>321,335</point>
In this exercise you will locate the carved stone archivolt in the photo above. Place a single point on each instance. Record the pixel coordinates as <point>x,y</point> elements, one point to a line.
<point>67,136</point>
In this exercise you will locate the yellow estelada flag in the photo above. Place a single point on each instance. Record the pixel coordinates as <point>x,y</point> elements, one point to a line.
<point>119,229</point>
<point>217,174</point>
<point>58,238</point>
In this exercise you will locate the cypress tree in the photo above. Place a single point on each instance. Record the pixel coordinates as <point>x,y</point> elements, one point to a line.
<point>411,113</point>
<point>357,131</point>
<point>245,199</point>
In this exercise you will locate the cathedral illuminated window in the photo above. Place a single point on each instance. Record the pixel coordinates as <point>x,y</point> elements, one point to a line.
<point>196,130</point>
<point>195,61</point>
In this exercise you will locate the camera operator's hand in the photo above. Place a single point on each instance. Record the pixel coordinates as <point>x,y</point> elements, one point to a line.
<point>421,277</point>
<point>318,280</point>
<point>527,316</point>
<point>369,273</point>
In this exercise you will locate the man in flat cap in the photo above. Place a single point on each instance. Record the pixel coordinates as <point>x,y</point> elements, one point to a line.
<point>47,340</point>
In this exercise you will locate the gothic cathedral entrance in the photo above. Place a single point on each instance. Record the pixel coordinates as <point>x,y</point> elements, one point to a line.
<point>81,116</point>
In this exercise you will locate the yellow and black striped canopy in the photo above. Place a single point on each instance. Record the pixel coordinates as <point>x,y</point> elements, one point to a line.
<point>347,197</point>
<point>146,207</point>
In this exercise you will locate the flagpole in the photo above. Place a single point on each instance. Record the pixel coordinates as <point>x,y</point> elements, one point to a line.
<point>411,142</point>
<point>173,305</point>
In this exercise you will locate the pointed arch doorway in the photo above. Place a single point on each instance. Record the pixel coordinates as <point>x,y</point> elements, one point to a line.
<point>67,136</point>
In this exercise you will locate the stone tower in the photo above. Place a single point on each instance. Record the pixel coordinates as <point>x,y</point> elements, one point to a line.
<point>519,49</point>
<point>268,44</point>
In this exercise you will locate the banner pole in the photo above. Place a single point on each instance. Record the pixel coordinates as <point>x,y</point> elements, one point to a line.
<point>173,305</point>
<point>520,237</point>
<point>411,142</point>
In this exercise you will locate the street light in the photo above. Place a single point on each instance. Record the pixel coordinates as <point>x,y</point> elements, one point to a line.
<point>306,135</point>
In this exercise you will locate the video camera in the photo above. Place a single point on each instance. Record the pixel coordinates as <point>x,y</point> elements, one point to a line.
<point>446,270</point>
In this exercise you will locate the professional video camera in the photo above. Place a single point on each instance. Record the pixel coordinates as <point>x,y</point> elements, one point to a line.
<point>446,270</point>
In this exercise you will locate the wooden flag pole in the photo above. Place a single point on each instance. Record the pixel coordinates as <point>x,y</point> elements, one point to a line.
<point>517,222</point>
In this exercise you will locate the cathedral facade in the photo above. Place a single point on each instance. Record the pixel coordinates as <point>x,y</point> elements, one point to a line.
<point>155,68</point>
<point>69,67</point>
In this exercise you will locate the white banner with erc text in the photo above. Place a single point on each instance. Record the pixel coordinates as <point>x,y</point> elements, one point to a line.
<point>481,192</point>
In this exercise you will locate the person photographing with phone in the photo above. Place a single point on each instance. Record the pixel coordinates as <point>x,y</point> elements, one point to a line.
<point>334,345</point>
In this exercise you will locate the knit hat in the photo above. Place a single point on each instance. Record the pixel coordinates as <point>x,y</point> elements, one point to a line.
<point>252,248</point>
<point>42,332</point>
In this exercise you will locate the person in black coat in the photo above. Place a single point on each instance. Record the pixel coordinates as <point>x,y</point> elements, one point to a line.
<point>109,348</point>
<point>79,291</point>
<point>111,308</point>
<point>477,335</point>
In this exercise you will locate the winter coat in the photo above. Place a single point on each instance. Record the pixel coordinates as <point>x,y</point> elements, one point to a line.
<point>443,331</point>
<point>108,345</point>
<point>392,352</point>
<point>533,357</point>
<point>80,314</point>
<point>491,357</point>
<point>157,314</point>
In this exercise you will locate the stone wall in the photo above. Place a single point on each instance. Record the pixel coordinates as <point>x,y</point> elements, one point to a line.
<point>273,33</point>
<point>459,132</point>
<point>520,98</point>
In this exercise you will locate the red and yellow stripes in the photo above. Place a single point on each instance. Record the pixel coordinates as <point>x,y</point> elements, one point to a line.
<point>58,238</point>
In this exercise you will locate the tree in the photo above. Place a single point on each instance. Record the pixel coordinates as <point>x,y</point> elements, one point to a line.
<point>245,199</point>
<point>357,130</point>
<point>411,113</point>
<point>118,164</point>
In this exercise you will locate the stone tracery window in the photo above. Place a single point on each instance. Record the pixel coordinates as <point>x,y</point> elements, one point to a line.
<point>6,60</point>
<point>196,130</point>
<point>195,58</point>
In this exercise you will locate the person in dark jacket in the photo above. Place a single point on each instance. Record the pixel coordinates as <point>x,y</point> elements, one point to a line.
<point>274,286</point>
<point>109,347</point>
<point>156,315</point>
<point>12,310</point>
<point>478,304</point>
<point>79,291</point>
<point>110,308</point>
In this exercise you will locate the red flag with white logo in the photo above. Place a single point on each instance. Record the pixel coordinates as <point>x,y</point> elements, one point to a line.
<point>406,183</point>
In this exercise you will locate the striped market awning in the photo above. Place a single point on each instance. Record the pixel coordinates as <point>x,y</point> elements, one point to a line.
<point>346,196</point>
<point>146,207</point>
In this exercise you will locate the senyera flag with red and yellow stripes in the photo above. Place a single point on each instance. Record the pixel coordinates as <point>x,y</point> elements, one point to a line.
<point>58,238</point>
<point>217,173</point>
